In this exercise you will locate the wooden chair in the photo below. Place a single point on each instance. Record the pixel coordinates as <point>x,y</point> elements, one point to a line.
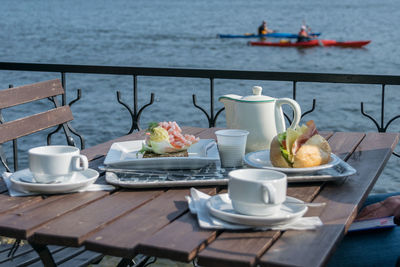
<point>59,117</point>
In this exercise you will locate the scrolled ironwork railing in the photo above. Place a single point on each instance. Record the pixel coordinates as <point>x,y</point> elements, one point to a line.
<point>212,75</point>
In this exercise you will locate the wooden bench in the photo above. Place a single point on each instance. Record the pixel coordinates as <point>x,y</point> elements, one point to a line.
<point>10,131</point>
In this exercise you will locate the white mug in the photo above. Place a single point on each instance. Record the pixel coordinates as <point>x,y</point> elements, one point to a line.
<point>56,163</point>
<point>257,191</point>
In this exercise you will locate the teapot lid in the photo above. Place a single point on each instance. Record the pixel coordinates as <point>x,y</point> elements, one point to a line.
<point>257,96</point>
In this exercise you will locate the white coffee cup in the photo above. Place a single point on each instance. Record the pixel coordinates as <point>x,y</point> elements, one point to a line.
<point>231,146</point>
<point>257,191</point>
<point>56,163</point>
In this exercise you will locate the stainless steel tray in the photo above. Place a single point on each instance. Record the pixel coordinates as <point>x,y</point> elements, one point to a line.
<point>209,175</point>
<point>336,173</point>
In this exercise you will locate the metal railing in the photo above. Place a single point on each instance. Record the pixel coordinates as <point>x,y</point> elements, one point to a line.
<point>211,75</point>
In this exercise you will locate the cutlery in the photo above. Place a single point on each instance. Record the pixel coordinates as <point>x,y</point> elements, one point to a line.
<point>198,172</point>
<point>205,173</point>
<point>309,204</point>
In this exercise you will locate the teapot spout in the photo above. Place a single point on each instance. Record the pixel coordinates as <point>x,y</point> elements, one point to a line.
<point>230,102</point>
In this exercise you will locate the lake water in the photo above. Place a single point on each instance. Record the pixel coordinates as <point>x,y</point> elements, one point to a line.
<point>177,33</point>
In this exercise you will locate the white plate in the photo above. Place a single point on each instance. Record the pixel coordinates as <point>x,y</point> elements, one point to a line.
<point>124,155</point>
<point>260,159</point>
<point>220,206</point>
<point>23,180</point>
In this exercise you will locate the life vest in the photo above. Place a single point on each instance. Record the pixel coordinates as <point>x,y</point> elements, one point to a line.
<point>262,30</point>
<point>303,33</point>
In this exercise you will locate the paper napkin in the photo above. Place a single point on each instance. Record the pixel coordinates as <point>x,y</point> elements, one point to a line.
<point>14,192</point>
<point>197,205</point>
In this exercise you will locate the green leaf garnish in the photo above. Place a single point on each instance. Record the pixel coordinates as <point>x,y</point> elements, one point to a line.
<point>284,152</point>
<point>281,137</point>
<point>285,155</point>
<point>151,127</point>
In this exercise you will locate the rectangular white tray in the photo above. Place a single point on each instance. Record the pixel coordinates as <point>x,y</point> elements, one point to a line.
<point>125,155</point>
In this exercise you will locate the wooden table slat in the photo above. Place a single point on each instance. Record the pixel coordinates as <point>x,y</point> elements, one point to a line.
<point>180,239</point>
<point>168,243</point>
<point>90,218</point>
<point>21,223</point>
<point>10,203</point>
<point>145,221</point>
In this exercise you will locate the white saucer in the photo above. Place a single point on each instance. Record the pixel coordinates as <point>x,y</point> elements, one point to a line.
<point>23,180</point>
<point>220,206</point>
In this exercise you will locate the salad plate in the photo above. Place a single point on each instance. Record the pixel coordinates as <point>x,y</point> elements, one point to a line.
<point>23,181</point>
<point>125,155</point>
<point>260,159</point>
<point>220,206</point>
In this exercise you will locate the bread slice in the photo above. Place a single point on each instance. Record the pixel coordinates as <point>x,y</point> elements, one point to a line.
<point>148,154</point>
<point>316,151</point>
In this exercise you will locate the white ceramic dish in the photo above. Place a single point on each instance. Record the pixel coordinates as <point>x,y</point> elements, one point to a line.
<point>23,180</point>
<point>260,159</point>
<point>124,155</point>
<point>220,206</point>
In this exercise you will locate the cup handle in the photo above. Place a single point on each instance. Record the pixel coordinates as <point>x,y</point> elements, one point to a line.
<point>268,194</point>
<point>76,163</point>
<point>280,121</point>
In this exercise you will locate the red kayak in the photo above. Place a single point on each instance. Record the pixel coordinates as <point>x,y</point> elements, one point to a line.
<point>345,44</point>
<point>312,43</point>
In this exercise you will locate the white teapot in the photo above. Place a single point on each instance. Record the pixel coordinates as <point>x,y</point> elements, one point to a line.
<point>261,115</point>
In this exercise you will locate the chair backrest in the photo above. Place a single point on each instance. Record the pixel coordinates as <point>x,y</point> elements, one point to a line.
<point>58,116</point>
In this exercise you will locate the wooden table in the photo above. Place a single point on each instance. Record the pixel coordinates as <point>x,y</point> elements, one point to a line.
<point>156,222</point>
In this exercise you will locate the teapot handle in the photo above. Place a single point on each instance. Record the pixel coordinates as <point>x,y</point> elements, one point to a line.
<point>280,122</point>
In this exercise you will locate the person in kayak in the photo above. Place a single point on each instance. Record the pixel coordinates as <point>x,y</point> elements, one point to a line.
<point>263,29</point>
<point>303,35</point>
